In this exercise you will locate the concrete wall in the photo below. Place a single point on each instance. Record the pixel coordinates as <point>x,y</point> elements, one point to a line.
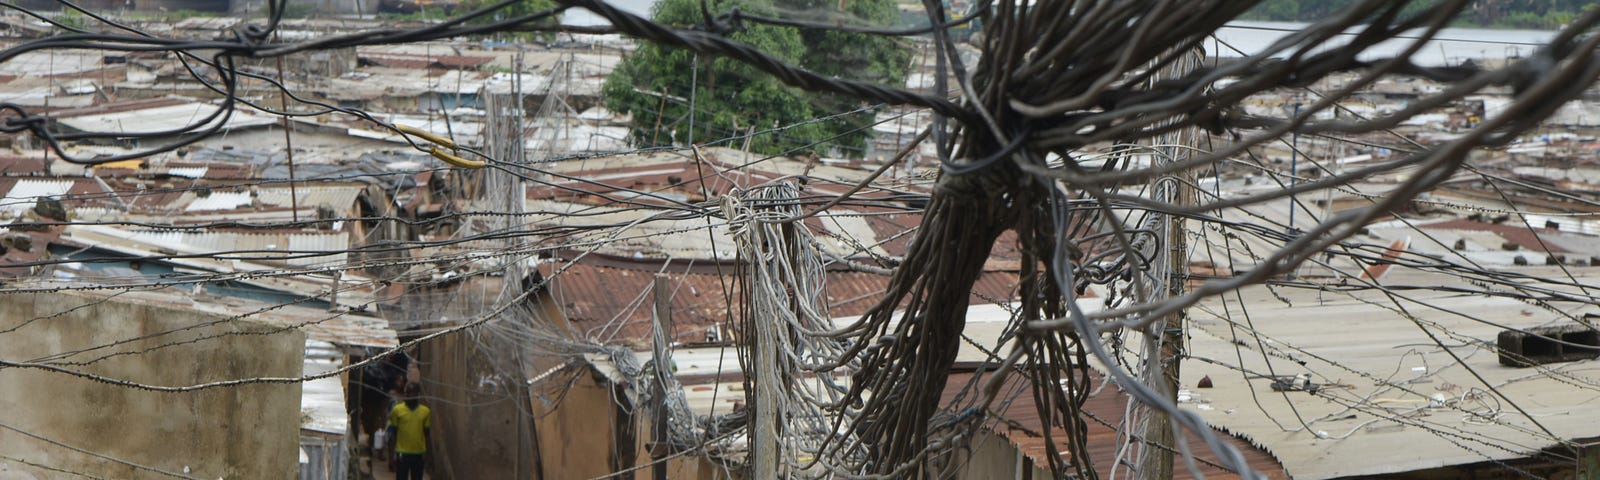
<point>481,425</point>
<point>249,431</point>
<point>576,425</point>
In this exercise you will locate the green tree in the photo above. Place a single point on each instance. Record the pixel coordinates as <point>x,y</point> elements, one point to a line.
<point>72,19</point>
<point>653,84</point>
<point>855,56</point>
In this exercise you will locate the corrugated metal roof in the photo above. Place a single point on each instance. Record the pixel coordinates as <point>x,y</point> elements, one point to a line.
<point>1105,411</point>
<point>324,242</point>
<point>22,164</point>
<point>188,172</point>
<point>1517,232</point>
<point>594,295</point>
<point>61,62</point>
<point>219,201</point>
<point>260,245</point>
<point>341,198</point>
<point>159,119</point>
<point>850,231</point>
<point>322,400</point>
<point>151,243</point>
<point>408,60</point>
<point>26,192</point>
<point>1396,402</point>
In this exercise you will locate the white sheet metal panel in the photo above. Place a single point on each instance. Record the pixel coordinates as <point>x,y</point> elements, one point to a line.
<point>188,172</point>
<point>219,201</point>
<point>53,62</point>
<point>255,247</point>
<point>25,193</point>
<point>320,242</point>
<point>341,198</point>
<point>159,119</point>
<point>1392,429</point>
<point>322,400</point>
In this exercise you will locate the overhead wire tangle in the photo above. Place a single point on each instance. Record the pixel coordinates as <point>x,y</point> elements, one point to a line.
<point>1197,162</point>
<point>477,320</point>
<point>255,34</point>
<point>612,235</point>
<point>55,358</point>
<point>1317,239</point>
<point>1028,96</point>
<point>1460,438</point>
<point>1470,168</point>
<point>284,255</point>
<point>1239,26</point>
<point>226,110</point>
<point>1399,308</point>
<point>1569,274</point>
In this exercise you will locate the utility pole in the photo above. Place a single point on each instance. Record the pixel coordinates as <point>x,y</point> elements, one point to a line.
<point>767,422</point>
<point>1161,371</point>
<point>661,354</point>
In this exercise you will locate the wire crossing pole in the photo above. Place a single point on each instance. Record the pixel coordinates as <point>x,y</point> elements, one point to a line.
<point>661,353</point>
<point>1162,372</point>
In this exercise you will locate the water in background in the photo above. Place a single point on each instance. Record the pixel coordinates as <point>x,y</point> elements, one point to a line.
<point>585,18</point>
<point>1452,45</point>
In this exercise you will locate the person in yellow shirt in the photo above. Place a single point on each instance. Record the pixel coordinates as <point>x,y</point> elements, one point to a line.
<point>411,421</point>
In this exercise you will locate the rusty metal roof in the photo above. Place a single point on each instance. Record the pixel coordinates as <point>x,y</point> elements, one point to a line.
<point>1104,411</point>
<point>407,60</point>
<point>16,164</point>
<point>609,299</point>
<point>1525,238</point>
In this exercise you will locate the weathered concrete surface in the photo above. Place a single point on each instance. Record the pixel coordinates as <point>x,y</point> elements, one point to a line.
<point>578,429</point>
<point>481,426</point>
<point>248,431</point>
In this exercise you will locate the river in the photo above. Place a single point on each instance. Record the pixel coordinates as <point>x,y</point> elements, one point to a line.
<point>1451,46</point>
<point>581,17</point>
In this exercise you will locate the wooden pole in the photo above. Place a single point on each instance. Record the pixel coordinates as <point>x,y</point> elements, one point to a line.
<point>1160,439</point>
<point>662,355</point>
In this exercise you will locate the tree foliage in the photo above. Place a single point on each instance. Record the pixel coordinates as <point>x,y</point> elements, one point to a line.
<point>654,84</point>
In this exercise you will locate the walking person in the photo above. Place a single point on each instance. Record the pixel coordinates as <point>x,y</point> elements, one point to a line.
<point>411,421</point>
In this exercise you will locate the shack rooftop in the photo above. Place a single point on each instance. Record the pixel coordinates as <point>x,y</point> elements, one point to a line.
<point>1386,391</point>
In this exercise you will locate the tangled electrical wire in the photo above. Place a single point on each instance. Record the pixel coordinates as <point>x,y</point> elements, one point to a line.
<point>1075,128</point>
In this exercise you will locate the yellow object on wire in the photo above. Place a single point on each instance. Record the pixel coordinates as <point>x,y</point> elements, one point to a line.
<point>426,135</point>
<point>439,141</point>
<point>453,159</point>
